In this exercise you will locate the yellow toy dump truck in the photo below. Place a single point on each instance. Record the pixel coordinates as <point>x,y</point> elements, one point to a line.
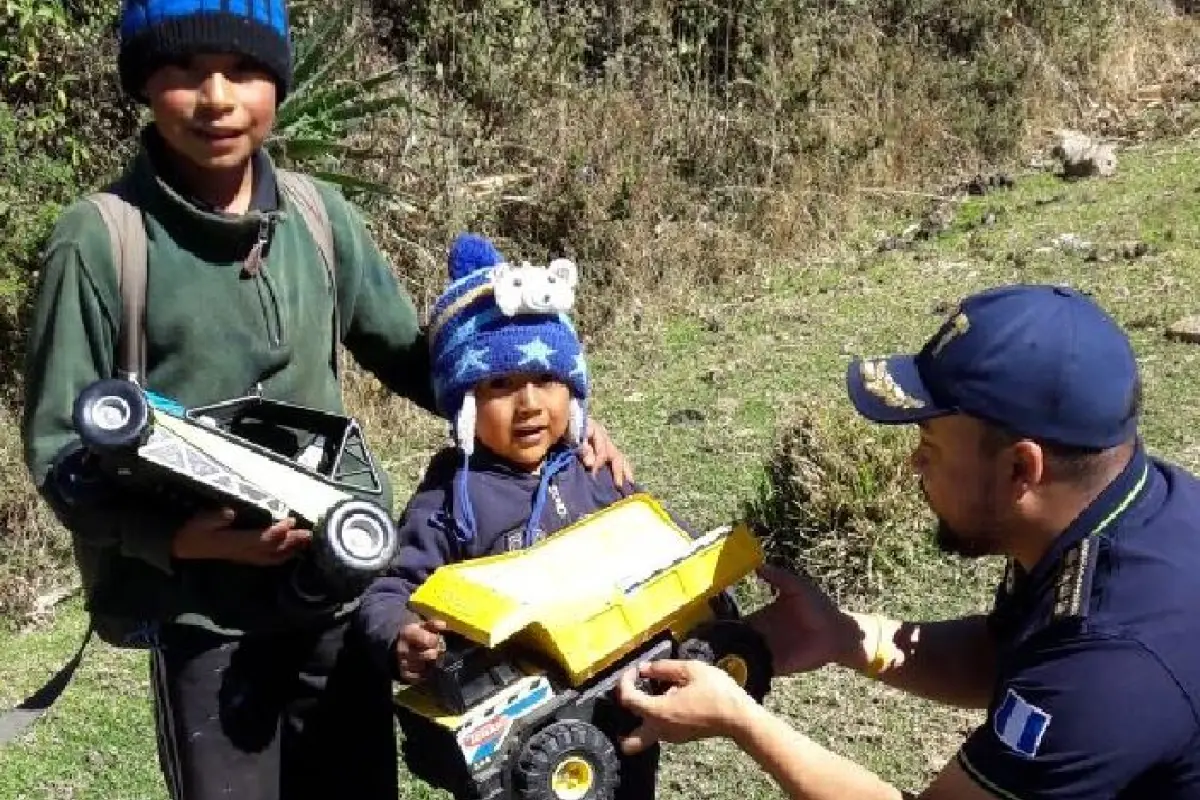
<point>519,706</point>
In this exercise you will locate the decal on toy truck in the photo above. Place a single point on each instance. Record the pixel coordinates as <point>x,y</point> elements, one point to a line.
<point>483,732</point>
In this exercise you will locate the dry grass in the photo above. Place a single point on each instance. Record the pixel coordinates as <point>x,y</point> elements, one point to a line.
<point>34,550</point>
<point>839,502</point>
<point>672,147</point>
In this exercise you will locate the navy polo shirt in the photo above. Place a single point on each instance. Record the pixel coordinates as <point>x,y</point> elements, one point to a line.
<point>1098,680</point>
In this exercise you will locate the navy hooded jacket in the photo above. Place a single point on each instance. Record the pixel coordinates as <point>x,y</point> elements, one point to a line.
<point>502,498</point>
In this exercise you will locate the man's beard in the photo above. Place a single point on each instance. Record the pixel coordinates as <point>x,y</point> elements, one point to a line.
<point>953,543</point>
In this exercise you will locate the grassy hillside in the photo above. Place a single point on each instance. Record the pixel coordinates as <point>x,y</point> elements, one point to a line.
<point>700,398</point>
<point>755,191</point>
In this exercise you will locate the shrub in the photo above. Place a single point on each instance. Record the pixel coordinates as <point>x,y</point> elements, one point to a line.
<point>839,503</point>
<point>643,138</point>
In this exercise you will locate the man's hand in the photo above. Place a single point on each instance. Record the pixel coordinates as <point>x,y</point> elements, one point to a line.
<point>417,647</point>
<point>702,701</point>
<point>803,628</point>
<point>598,449</point>
<point>208,535</point>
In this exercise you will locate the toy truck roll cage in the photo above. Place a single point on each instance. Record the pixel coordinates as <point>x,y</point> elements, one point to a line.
<point>267,459</point>
<point>519,705</point>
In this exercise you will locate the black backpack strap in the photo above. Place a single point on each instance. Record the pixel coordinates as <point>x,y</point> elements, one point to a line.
<point>14,721</point>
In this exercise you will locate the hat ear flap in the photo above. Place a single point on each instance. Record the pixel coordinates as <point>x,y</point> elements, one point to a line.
<point>464,424</point>
<point>577,422</point>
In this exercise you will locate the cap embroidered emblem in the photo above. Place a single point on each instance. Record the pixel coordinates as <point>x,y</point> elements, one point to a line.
<point>956,327</point>
<point>878,380</point>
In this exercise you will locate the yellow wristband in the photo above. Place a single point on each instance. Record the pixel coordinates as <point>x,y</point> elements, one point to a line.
<point>879,659</point>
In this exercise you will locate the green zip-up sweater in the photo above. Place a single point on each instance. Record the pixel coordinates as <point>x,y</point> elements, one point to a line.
<point>213,332</point>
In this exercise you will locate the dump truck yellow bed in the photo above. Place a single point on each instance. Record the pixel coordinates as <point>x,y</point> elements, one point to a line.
<point>594,591</point>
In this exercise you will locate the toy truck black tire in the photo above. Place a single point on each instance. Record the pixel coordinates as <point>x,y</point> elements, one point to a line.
<point>735,647</point>
<point>566,760</point>
<point>355,543</point>
<point>112,416</point>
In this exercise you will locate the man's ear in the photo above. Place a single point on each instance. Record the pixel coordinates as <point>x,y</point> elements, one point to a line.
<point>1028,465</point>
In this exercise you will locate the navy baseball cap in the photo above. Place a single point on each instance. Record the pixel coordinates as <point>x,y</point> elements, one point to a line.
<point>1044,362</point>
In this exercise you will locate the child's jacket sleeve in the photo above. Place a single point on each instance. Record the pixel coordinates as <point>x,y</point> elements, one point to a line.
<point>71,343</point>
<point>379,317</point>
<point>424,546</point>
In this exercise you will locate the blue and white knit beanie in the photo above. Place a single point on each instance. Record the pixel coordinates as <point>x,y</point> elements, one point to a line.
<point>156,31</point>
<point>497,318</point>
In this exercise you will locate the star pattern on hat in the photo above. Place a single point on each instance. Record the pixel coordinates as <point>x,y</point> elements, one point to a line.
<point>473,359</point>
<point>580,366</point>
<point>535,351</point>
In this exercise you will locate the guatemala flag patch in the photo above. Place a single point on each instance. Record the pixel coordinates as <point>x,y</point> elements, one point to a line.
<point>1020,724</point>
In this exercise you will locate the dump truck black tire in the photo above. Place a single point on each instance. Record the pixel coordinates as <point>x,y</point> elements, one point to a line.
<point>566,760</point>
<point>735,647</point>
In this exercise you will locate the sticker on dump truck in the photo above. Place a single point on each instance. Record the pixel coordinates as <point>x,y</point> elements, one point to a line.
<point>485,727</point>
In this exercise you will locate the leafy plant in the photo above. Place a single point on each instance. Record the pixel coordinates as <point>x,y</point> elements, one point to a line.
<point>326,107</point>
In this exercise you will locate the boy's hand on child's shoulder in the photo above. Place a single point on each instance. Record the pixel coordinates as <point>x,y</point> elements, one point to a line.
<point>599,449</point>
<point>417,647</point>
<point>209,535</point>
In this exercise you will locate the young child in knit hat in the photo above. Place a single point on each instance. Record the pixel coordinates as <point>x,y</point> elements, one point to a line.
<point>511,378</point>
<point>252,698</point>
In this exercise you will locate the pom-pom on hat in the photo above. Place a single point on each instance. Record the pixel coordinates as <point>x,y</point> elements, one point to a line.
<point>154,32</point>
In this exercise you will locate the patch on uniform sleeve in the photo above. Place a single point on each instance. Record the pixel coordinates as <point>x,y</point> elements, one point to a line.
<point>1020,724</point>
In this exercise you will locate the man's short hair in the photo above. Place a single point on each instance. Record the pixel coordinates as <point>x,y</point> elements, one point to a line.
<point>1070,463</point>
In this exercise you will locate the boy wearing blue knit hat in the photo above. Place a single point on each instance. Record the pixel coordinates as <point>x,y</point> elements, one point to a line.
<point>249,698</point>
<point>511,378</point>
<point>253,697</point>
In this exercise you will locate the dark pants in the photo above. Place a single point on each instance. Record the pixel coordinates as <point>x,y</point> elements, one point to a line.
<point>273,717</point>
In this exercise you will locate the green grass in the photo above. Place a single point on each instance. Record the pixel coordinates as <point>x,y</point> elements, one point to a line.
<point>744,361</point>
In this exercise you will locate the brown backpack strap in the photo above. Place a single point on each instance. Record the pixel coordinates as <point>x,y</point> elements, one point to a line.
<point>127,235</point>
<point>128,240</point>
<point>302,191</point>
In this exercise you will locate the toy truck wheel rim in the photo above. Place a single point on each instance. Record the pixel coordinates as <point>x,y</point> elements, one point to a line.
<point>736,648</point>
<point>111,415</point>
<point>736,667</point>
<point>360,536</point>
<point>572,779</point>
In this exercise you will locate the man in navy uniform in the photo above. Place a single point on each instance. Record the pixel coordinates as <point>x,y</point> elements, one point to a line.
<point>1027,400</point>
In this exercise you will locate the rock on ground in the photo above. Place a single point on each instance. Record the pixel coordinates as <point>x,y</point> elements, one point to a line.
<point>1185,330</point>
<point>1082,156</point>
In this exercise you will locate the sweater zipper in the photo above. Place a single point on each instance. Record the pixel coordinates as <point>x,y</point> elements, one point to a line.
<point>559,505</point>
<point>256,266</point>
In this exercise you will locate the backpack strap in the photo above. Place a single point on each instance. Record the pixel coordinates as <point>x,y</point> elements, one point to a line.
<point>127,235</point>
<point>303,192</point>
<point>16,720</point>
